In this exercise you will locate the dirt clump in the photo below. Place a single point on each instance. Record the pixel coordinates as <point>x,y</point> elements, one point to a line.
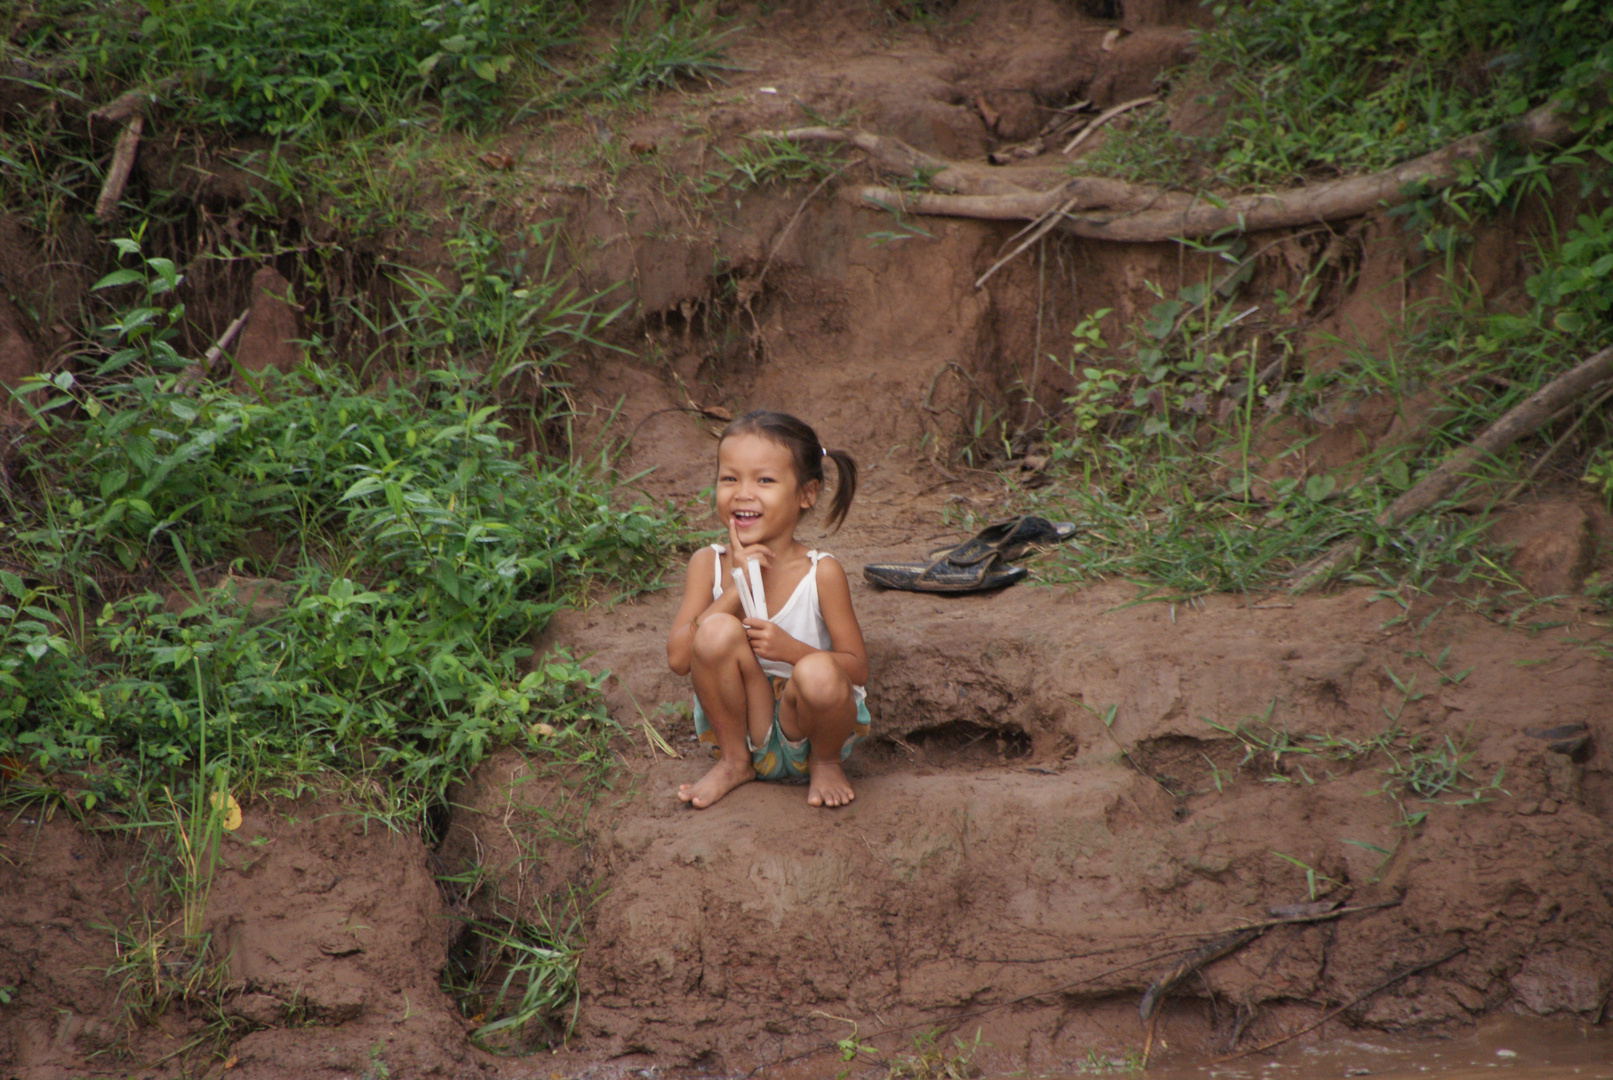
<point>269,338</point>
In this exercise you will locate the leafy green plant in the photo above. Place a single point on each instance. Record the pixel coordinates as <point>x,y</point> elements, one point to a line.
<point>650,51</point>
<point>1430,772</point>
<point>511,322</point>
<point>1599,473</point>
<point>417,551</point>
<point>1098,1062</point>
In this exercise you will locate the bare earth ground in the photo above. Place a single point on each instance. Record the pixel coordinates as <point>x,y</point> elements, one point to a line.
<point>1005,867</point>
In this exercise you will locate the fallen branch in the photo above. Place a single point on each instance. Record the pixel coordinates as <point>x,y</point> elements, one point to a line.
<point>1106,116</point>
<point>1523,419</point>
<point>1081,193</point>
<point>125,106</point>
<point>1352,1003</point>
<point>117,176</point>
<point>192,376</point>
<point>1551,451</point>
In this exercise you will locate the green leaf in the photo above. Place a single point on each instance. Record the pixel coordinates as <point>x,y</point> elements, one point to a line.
<point>13,584</point>
<point>120,277</point>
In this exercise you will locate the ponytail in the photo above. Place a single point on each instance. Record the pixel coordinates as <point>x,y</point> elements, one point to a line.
<point>845,487</point>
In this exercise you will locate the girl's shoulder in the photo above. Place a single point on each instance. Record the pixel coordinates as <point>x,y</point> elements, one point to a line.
<point>702,562</point>
<point>828,569</point>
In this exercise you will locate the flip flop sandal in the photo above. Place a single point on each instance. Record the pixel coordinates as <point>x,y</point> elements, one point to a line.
<point>942,576</point>
<point>1007,539</point>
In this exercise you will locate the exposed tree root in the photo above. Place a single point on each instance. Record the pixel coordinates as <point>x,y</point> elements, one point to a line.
<point>1114,210</point>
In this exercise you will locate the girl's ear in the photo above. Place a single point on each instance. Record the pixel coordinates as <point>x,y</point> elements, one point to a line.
<point>809,494</point>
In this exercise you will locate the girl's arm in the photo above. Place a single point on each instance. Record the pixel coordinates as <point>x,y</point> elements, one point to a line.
<point>697,604</point>
<point>845,636</point>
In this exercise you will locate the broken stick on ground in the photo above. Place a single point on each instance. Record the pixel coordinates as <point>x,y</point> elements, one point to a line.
<point>117,176</point>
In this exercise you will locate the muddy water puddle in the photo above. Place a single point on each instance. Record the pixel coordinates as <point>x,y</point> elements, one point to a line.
<point>1514,1049</point>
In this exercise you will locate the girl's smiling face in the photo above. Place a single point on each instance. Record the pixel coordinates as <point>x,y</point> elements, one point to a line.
<point>757,488</point>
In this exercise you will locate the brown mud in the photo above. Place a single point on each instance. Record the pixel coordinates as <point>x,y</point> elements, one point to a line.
<point>1045,818</point>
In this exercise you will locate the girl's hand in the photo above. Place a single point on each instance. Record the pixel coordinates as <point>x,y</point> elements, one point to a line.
<point>740,554</point>
<point>768,642</point>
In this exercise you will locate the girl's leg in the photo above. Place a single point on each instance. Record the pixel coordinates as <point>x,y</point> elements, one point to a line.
<point>819,705</point>
<point>736,696</point>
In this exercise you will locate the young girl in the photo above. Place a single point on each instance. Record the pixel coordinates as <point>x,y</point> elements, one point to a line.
<point>781,696</point>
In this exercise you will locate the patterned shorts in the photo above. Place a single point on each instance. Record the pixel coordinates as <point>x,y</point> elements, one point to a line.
<point>778,758</point>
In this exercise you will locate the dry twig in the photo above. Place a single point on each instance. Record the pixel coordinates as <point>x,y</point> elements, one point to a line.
<point>1106,116</point>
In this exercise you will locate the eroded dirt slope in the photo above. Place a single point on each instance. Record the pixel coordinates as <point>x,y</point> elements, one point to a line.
<point>1013,863</point>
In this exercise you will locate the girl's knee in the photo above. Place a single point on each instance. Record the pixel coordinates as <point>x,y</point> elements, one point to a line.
<point>819,682</point>
<point>718,636</point>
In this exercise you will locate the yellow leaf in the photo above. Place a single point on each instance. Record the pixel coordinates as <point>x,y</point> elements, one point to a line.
<point>542,730</point>
<point>224,801</point>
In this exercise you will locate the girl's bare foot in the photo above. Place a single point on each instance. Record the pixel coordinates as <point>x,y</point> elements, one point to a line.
<point>829,785</point>
<point>724,777</point>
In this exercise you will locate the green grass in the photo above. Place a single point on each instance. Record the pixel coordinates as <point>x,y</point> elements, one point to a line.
<point>765,159</point>
<point>651,50</point>
<point>1313,88</point>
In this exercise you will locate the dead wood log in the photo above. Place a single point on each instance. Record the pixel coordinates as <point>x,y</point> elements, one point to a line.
<point>1334,200</point>
<point>117,176</point>
<point>1522,419</point>
<point>126,106</point>
<point>1133,213</point>
<point>1081,193</point>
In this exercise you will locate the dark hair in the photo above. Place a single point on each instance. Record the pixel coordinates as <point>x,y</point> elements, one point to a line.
<point>808,454</point>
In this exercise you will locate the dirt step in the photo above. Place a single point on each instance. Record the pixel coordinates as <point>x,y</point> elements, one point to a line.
<point>1046,664</point>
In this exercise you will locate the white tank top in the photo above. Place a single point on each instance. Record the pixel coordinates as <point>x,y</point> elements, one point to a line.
<point>800,617</point>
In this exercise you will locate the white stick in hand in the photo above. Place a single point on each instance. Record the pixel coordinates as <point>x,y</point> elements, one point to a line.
<point>745,602</point>
<point>758,593</point>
